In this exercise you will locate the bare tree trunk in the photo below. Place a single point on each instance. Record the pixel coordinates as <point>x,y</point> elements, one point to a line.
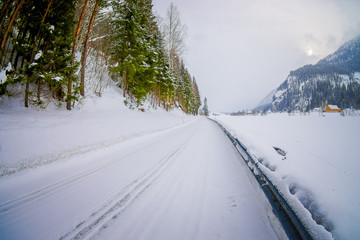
<point>12,19</point>
<point>84,54</point>
<point>68,100</point>
<point>27,85</point>
<point>78,30</point>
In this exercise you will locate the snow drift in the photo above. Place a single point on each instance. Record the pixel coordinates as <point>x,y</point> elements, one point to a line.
<point>319,173</point>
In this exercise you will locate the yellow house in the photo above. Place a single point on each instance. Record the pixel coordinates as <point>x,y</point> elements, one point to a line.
<point>332,108</point>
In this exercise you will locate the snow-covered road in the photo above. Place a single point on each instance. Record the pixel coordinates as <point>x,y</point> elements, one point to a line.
<point>185,182</point>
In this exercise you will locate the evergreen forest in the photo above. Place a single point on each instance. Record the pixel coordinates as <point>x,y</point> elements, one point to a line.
<point>46,44</point>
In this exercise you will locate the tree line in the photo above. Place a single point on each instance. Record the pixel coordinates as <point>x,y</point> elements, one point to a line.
<point>45,44</point>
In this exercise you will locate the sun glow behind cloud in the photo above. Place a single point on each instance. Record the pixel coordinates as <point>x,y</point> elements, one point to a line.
<point>309,52</point>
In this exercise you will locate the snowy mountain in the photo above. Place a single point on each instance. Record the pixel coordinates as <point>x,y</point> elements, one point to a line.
<point>333,80</point>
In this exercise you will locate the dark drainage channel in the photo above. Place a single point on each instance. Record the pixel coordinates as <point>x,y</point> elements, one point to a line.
<point>291,223</point>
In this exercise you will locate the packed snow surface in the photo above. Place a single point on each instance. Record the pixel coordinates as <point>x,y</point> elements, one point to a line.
<point>107,172</point>
<point>320,172</point>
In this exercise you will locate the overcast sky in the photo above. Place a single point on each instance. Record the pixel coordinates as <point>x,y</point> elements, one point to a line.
<point>240,50</point>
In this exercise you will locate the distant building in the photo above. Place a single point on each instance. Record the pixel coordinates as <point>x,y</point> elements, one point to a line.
<point>332,108</point>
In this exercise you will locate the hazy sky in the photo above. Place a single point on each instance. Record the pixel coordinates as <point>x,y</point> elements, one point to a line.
<point>240,50</point>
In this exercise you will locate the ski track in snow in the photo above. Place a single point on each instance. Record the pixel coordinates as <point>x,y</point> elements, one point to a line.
<point>182,183</point>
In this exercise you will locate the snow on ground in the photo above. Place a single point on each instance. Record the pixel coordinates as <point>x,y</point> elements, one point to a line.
<point>30,137</point>
<point>321,172</point>
<point>103,171</point>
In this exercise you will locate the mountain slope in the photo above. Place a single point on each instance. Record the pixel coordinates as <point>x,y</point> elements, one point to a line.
<point>266,103</point>
<point>333,80</point>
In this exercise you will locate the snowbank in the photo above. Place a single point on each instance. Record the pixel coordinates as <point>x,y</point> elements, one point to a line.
<point>320,172</point>
<point>31,137</point>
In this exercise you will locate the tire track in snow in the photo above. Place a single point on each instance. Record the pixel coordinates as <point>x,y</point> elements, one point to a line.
<point>124,197</point>
<point>121,199</point>
<point>58,186</point>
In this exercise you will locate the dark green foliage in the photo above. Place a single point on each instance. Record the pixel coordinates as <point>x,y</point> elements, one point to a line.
<point>133,50</point>
<point>164,88</point>
<point>185,91</point>
<point>197,96</point>
<point>40,47</point>
<point>139,61</point>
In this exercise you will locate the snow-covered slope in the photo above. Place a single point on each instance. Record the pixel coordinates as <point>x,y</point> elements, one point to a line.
<point>320,173</point>
<point>31,137</point>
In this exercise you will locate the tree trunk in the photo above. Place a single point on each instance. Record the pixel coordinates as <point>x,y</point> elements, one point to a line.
<point>68,100</point>
<point>26,98</point>
<point>12,19</point>
<point>125,81</point>
<point>78,30</point>
<point>38,91</point>
<point>84,54</point>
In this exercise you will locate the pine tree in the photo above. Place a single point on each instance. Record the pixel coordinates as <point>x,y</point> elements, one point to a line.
<point>188,96</point>
<point>205,108</point>
<point>134,52</point>
<point>38,44</point>
<point>32,58</point>
<point>46,51</point>
<point>197,95</point>
<point>164,88</point>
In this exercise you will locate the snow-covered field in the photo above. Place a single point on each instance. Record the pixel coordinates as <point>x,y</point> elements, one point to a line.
<point>107,172</point>
<point>320,174</point>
